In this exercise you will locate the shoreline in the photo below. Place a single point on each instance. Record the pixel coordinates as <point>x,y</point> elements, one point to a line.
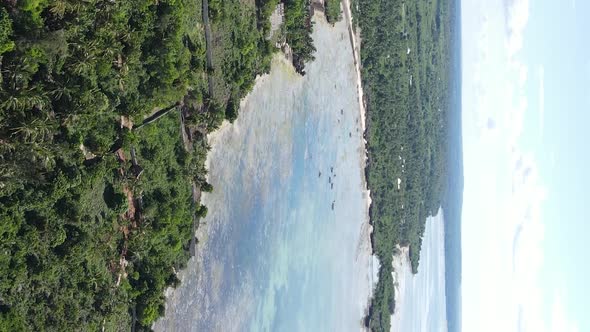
<point>356,50</point>
<point>365,260</point>
<point>355,42</point>
<point>366,230</point>
<point>366,269</point>
<point>418,295</point>
<point>400,259</point>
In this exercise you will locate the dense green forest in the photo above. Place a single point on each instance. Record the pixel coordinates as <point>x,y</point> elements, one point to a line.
<point>96,212</point>
<point>333,13</point>
<point>298,28</point>
<point>405,69</point>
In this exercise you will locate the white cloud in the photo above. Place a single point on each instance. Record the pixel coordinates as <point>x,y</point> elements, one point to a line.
<point>528,194</point>
<point>509,236</point>
<point>552,159</point>
<point>560,322</point>
<point>541,72</point>
<point>517,16</point>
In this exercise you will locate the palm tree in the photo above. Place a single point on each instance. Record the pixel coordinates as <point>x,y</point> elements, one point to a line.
<point>63,90</point>
<point>26,100</point>
<point>36,131</point>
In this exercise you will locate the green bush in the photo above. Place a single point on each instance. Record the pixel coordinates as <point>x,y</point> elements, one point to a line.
<point>298,27</point>
<point>333,13</point>
<point>6,44</point>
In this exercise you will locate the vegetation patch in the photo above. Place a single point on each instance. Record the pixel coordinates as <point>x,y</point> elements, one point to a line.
<point>405,69</point>
<point>333,12</point>
<point>298,27</point>
<point>97,213</point>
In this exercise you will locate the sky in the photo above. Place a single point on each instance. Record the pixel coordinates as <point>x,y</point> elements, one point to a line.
<point>526,110</point>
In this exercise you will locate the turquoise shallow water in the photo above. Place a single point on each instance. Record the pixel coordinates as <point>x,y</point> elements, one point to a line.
<point>285,246</point>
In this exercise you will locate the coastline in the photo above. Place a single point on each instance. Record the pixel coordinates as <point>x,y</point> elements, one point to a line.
<point>363,264</point>
<point>283,59</point>
<point>401,261</point>
<point>355,42</point>
<point>420,298</point>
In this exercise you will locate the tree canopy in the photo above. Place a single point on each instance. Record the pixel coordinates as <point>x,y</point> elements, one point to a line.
<point>405,72</point>
<point>97,211</point>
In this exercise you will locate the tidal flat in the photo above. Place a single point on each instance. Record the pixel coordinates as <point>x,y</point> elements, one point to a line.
<point>285,246</point>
